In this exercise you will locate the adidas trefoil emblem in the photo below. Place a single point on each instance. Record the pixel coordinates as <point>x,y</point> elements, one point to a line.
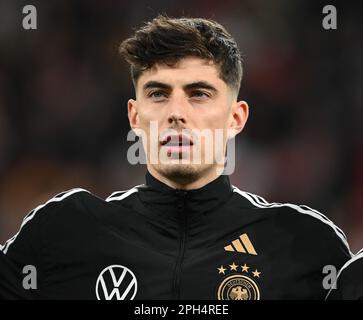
<point>243,244</point>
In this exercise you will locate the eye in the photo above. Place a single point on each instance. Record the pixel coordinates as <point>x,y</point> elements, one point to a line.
<point>157,95</point>
<point>200,94</point>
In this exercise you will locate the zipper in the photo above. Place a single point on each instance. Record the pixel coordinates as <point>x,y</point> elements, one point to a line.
<point>183,234</point>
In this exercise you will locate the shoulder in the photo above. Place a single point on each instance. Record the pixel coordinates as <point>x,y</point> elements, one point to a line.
<point>46,211</point>
<point>73,197</point>
<point>122,195</point>
<point>349,283</point>
<point>302,219</point>
<point>353,267</point>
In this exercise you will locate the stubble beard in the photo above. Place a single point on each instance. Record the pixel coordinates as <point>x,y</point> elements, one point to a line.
<point>183,173</point>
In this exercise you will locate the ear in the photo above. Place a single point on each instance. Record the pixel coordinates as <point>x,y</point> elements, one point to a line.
<point>133,115</point>
<point>240,112</point>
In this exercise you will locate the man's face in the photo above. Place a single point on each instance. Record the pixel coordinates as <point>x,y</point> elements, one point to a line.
<point>181,101</point>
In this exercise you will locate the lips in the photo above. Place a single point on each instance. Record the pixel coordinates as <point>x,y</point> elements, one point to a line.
<point>176,144</point>
<point>176,140</point>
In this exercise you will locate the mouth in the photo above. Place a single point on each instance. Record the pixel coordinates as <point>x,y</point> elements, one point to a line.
<point>177,143</point>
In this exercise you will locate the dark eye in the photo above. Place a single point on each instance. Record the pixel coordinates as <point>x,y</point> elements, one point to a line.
<point>157,95</point>
<point>200,94</point>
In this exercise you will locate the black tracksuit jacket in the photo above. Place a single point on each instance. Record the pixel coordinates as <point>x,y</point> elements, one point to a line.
<point>349,285</point>
<point>155,242</point>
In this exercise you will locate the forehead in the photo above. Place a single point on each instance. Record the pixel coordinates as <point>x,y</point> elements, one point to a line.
<point>186,70</point>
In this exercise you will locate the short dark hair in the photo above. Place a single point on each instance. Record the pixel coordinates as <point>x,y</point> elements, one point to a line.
<point>167,40</point>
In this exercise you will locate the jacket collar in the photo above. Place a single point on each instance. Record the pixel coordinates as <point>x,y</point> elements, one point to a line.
<point>156,195</point>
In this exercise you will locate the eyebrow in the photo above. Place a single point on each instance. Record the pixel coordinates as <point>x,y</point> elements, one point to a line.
<point>200,85</point>
<point>156,84</point>
<point>189,86</point>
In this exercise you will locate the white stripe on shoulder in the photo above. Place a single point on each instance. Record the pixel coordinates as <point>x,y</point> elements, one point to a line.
<point>357,256</point>
<point>117,196</point>
<point>255,200</point>
<point>59,197</point>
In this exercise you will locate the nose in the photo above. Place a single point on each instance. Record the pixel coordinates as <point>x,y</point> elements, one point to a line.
<point>176,118</point>
<point>177,113</point>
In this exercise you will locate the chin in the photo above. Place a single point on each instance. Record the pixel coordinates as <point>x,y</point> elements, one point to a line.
<point>182,172</point>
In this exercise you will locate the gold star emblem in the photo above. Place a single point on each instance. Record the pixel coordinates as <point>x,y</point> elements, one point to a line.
<point>221,270</point>
<point>256,273</point>
<point>245,268</point>
<point>233,266</point>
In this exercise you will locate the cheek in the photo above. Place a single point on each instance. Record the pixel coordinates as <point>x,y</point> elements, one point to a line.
<point>146,115</point>
<point>213,120</point>
<point>150,123</point>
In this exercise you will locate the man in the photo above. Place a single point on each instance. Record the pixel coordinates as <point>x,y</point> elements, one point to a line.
<point>349,285</point>
<point>186,233</point>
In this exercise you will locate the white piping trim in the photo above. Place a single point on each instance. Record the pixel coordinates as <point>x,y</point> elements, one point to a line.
<point>32,213</point>
<point>116,192</point>
<point>124,195</point>
<point>356,257</point>
<point>313,213</point>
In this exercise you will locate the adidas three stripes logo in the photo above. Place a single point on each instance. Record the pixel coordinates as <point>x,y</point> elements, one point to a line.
<point>243,244</point>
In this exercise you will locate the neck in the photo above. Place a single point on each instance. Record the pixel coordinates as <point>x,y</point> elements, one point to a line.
<point>200,182</point>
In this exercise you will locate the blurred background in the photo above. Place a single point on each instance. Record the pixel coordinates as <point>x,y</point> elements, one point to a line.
<point>63,94</point>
